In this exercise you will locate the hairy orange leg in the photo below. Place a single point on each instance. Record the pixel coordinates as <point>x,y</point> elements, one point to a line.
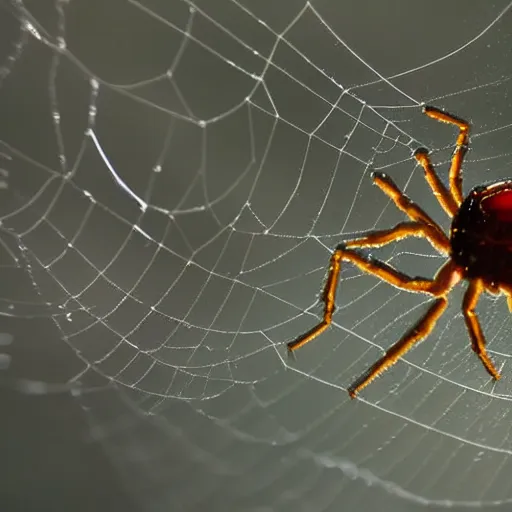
<point>461,147</point>
<point>442,194</point>
<point>475,288</point>
<point>438,287</point>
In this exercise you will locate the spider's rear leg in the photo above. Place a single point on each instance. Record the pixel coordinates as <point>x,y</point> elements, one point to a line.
<point>420,331</point>
<point>438,239</point>
<point>471,297</point>
<point>445,279</point>
<point>383,271</point>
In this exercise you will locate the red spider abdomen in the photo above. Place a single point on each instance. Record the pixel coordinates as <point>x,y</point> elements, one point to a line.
<point>481,234</point>
<point>499,205</point>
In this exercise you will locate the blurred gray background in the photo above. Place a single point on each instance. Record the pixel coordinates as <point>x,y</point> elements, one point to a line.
<point>178,173</point>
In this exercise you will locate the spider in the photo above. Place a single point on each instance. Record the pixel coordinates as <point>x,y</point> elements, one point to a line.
<point>478,248</point>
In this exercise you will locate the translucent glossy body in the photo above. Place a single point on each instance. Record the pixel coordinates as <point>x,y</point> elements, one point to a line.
<point>481,234</point>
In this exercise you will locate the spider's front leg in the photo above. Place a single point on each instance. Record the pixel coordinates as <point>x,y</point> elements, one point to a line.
<point>420,331</point>
<point>444,197</point>
<point>461,148</point>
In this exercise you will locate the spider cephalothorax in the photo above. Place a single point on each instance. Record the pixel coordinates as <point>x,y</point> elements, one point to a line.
<point>479,250</point>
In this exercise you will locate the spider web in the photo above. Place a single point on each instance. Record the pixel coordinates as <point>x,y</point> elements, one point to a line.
<point>178,173</point>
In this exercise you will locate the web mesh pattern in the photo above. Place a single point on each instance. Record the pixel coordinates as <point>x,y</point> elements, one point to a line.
<point>183,173</point>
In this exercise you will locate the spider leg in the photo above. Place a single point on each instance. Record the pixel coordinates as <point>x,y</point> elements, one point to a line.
<point>402,230</point>
<point>421,330</point>
<point>475,288</point>
<point>412,210</point>
<point>445,198</point>
<point>438,240</point>
<point>446,277</point>
<point>461,148</point>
